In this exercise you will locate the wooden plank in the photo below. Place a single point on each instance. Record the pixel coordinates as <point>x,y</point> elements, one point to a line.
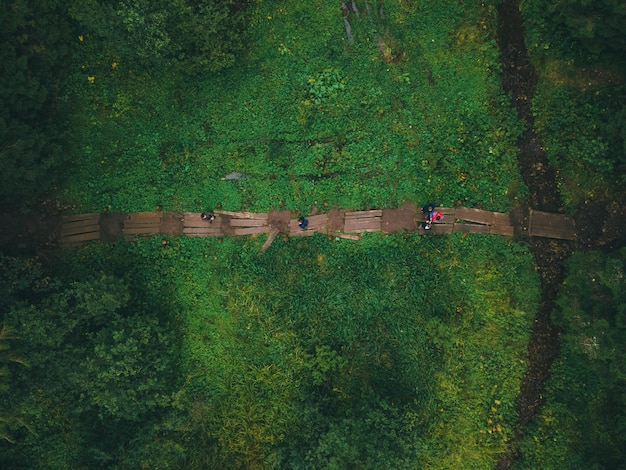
<point>82,223</point>
<point>317,221</point>
<point>252,230</point>
<point>441,228</point>
<point>144,216</point>
<point>140,230</point>
<point>363,214</point>
<point>202,231</point>
<point>152,223</point>
<point>364,220</point>
<point>79,217</point>
<point>474,215</point>
<point>471,228</point>
<point>546,219</point>
<point>506,230</point>
<point>243,215</point>
<point>295,228</point>
<point>500,218</point>
<point>359,224</point>
<point>156,228</point>
<point>83,237</point>
<point>72,230</point>
<point>269,240</point>
<point>192,219</point>
<point>302,233</point>
<point>361,228</point>
<point>247,222</point>
<point>449,216</point>
<point>449,212</point>
<point>548,225</point>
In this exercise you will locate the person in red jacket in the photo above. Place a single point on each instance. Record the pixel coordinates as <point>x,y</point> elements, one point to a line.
<point>435,216</point>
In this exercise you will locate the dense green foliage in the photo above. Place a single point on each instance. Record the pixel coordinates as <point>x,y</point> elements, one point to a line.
<point>412,110</point>
<point>98,377</point>
<point>387,353</point>
<point>584,423</point>
<point>597,28</point>
<point>580,104</point>
<point>393,352</point>
<point>191,35</point>
<point>33,133</point>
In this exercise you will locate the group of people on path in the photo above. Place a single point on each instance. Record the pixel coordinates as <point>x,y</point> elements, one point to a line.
<point>431,214</point>
<point>429,210</point>
<point>209,217</point>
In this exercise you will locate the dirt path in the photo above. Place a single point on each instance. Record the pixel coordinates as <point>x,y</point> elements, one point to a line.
<point>519,80</point>
<point>599,224</point>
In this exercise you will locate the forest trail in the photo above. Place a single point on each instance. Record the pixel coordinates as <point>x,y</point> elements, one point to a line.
<point>519,81</point>
<point>81,228</point>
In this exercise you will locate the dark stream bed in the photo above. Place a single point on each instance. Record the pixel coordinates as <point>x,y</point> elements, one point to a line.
<point>519,80</point>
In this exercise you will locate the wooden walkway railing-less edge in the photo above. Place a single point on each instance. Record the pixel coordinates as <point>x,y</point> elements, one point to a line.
<point>77,229</point>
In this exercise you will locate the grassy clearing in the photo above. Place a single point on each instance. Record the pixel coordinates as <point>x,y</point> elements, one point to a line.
<point>411,110</point>
<point>287,353</point>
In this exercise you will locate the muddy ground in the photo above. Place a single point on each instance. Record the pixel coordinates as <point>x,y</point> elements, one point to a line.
<point>29,234</point>
<point>599,224</point>
<point>403,218</point>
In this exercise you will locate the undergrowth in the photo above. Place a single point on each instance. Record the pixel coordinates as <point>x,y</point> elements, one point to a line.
<point>582,422</point>
<point>411,110</point>
<point>580,102</point>
<point>390,352</point>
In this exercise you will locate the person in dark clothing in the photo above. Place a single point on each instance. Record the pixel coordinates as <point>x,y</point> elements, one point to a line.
<point>208,216</point>
<point>428,209</point>
<point>303,223</point>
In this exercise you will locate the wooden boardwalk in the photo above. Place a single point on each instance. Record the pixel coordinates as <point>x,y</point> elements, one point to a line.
<point>80,228</point>
<point>77,229</point>
<point>548,225</point>
<point>142,223</point>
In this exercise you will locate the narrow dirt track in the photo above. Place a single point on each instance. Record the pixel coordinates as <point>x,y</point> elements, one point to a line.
<point>519,81</point>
